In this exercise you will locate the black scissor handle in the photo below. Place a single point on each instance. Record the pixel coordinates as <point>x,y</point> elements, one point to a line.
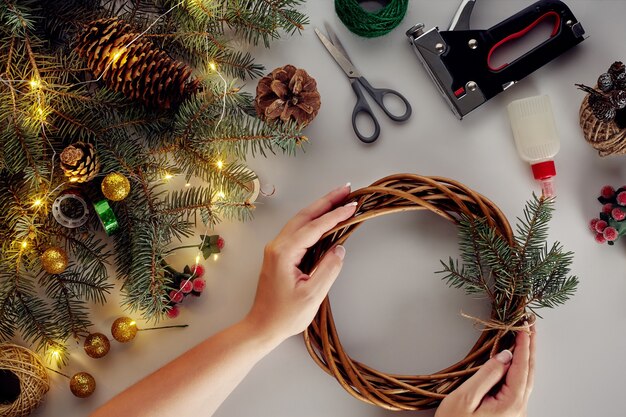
<point>378,94</point>
<point>361,106</point>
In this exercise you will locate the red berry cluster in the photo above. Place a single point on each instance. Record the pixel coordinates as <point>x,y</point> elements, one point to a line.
<point>190,282</point>
<point>610,225</point>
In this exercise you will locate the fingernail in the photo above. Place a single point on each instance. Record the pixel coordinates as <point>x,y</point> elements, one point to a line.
<point>343,187</point>
<point>351,204</point>
<point>525,323</point>
<point>504,357</point>
<point>340,251</point>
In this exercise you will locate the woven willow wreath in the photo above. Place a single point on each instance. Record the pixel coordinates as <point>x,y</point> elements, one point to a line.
<point>403,192</point>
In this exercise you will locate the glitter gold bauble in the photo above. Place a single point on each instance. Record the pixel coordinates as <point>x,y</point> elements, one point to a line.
<point>97,345</point>
<point>115,186</point>
<point>82,384</point>
<point>124,329</point>
<point>54,260</point>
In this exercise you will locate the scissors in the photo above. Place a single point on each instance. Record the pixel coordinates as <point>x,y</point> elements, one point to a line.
<point>335,48</point>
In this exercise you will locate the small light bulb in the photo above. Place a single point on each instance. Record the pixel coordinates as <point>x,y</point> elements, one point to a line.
<point>168,176</point>
<point>219,164</point>
<point>24,244</point>
<point>35,83</point>
<point>74,179</point>
<point>188,185</point>
<point>132,323</point>
<point>116,56</point>
<point>37,203</point>
<point>215,257</point>
<point>197,259</point>
<point>55,353</point>
<point>221,194</point>
<point>212,66</point>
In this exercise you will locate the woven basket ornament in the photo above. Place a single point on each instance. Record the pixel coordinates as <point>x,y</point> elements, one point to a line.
<point>398,193</point>
<point>606,137</point>
<point>25,366</point>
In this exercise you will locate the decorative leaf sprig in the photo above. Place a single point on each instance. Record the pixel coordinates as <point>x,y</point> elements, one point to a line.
<point>528,269</point>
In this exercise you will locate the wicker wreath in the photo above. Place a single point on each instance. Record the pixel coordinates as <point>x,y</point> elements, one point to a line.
<point>403,192</point>
<point>22,366</point>
<point>605,137</point>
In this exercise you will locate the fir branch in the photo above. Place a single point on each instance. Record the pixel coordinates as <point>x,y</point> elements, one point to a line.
<point>524,271</point>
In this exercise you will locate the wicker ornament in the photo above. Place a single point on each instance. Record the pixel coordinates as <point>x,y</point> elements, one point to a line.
<point>54,260</point>
<point>23,381</point>
<point>608,138</point>
<point>97,345</point>
<point>287,94</point>
<point>82,384</point>
<point>399,193</point>
<point>80,162</point>
<point>115,186</point>
<point>134,66</point>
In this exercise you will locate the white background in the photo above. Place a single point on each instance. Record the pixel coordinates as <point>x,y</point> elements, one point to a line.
<point>392,311</point>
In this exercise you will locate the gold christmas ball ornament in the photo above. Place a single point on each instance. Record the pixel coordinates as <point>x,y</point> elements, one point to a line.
<point>115,186</point>
<point>82,384</point>
<point>124,329</point>
<point>54,260</point>
<point>97,345</point>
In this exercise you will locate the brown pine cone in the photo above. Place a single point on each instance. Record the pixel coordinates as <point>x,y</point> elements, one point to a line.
<point>135,66</point>
<point>287,93</point>
<point>80,162</point>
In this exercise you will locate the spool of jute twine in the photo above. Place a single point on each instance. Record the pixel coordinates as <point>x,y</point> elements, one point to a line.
<point>24,381</point>
<point>371,24</point>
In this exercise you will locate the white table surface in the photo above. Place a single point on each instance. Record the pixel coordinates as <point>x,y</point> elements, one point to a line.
<point>392,311</point>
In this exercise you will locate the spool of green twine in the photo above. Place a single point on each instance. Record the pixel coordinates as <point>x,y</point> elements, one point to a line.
<point>371,24</point>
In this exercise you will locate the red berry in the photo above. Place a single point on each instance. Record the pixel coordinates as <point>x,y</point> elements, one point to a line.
<point>607,191</point>
<point>186,286</point>
<point>618,214</point>
<point>176,296</point>
<point>621,198</point>
<point>197,270</point>
<point>220,243</point>
<point>199,284</point>
<point>173,312</point>
<point>592,224</point>
<point>610,234</point>
<point>606,209</point>
<point>600,239</point>
<point>601,225</point>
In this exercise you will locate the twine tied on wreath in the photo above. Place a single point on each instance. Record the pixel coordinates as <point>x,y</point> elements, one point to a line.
<point>25,372</point>
<point>493,324</point>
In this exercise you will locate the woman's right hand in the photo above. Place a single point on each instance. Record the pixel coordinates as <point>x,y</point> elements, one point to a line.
<point>472,398</point>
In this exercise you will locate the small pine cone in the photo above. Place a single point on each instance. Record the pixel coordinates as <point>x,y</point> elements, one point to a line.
<point>618,99</point>
<point>80,162</point>
<point>605,82</point>
<point>287,93</point>
<point>135,66</point>
<point>602,108</point>
<point>617,68</point>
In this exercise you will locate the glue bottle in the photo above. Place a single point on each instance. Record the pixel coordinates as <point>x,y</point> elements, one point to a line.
<point>536,138</point>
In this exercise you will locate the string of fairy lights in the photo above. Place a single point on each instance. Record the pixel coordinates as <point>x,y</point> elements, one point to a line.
<point>40,113</point>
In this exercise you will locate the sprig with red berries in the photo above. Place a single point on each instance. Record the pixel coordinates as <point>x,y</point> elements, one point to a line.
<point>190,281</point>
<point>610,225</point>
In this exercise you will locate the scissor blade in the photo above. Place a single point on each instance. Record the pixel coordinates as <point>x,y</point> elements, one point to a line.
<point>335,40</point>
<point>343,62</point>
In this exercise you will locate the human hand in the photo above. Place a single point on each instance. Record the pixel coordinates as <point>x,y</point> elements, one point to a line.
<point>472,398</point>
<point>287,299</point>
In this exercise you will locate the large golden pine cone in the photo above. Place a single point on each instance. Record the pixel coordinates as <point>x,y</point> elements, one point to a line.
<point>287,93</point>
<point>134,66</point>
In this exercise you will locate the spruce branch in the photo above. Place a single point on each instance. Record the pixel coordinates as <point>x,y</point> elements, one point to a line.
<point>525,270</point>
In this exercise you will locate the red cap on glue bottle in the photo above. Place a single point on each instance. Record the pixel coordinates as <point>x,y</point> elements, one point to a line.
<point>536,138</point>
